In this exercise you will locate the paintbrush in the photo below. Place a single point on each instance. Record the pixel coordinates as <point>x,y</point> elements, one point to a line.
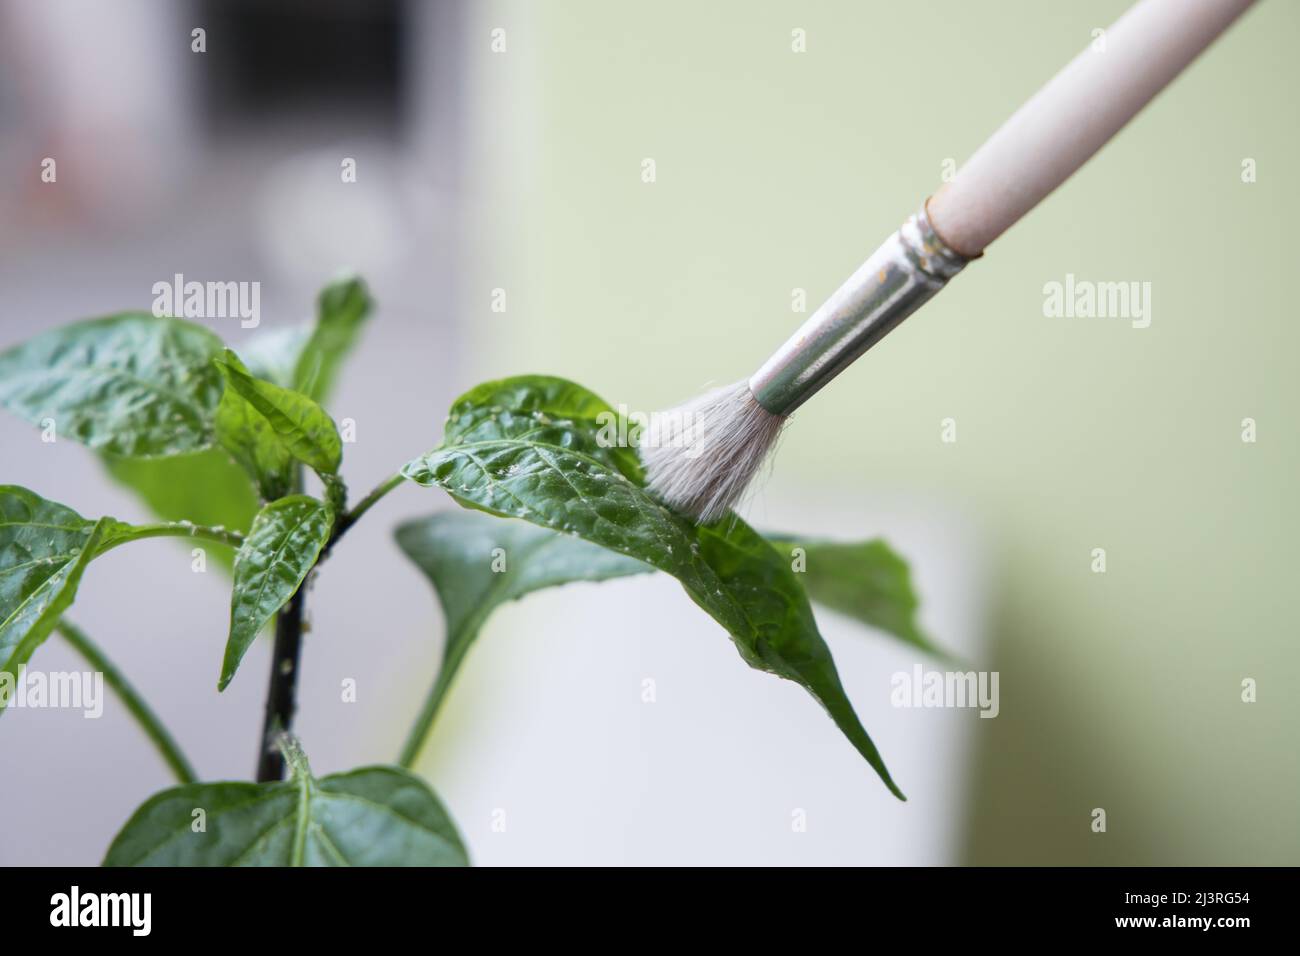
<point>701,456</point>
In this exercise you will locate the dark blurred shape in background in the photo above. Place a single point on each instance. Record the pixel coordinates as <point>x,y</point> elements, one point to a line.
<point>304,56</point>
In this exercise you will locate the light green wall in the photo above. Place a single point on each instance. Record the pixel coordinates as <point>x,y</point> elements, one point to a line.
<point>778,170</point>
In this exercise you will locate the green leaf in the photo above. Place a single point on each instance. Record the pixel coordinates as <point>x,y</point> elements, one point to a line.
<point>130,384</point>
<point>205,487</point>
<point>864,580</point>
<point>44,550</point>
<point>247,434</point>
<point>341,309</point>
<point>457,550</point>
<point>283,544</point>
<point>306,430</point>
<point>374,816</point>
<point>307,357</point>
<point>458,553</point>
<point>556,472</point>
<point>545,410</point>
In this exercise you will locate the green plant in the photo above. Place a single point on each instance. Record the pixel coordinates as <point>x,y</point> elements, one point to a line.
<point>217,447</point>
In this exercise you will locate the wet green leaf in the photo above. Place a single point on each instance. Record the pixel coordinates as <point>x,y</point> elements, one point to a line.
<point>247,435</point>
<point>304,427</point>
<point>44,550</point>
<point>374,816</point>
<point>544,410</point>
<point>130,384</point>
<point>283,544</point>
<point>476,563</point>
<point>530,448</point>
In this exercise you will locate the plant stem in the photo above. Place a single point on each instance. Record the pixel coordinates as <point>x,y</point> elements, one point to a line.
<point>174,529</point>
<point>281,695</point>
<point>144,715</point>
<point>419,732</point>
<point>365,504</point>
<point>423,725</point>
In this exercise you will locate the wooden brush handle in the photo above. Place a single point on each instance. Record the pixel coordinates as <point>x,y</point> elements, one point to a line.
<point>1073,116</point>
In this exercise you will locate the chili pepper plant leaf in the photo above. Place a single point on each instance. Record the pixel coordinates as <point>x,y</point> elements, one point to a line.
<point>458,552</point>
<point>286,538</point>
<point>307,357</point>
<point>476,563</point>
<point>250,439</point>
<point>341,309</point>
<point>130,384</point>
<point>373,816</point>
<point>545,411</point>
<point>865,580</point>
<point>304,427</point>
<point>44,550</point>
<point>531,448</point>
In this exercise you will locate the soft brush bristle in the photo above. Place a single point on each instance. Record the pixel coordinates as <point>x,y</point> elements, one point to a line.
<point>701,456</point>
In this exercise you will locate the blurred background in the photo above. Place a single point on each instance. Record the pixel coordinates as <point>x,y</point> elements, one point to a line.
<point>501,155</point>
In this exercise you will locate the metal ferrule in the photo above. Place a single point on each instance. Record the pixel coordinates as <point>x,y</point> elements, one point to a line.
<point>908,268</point>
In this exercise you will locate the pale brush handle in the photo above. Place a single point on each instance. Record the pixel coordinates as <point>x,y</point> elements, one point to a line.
<point>1073,116</point>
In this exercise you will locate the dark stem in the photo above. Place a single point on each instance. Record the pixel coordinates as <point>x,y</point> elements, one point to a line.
<point>281,695</point>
